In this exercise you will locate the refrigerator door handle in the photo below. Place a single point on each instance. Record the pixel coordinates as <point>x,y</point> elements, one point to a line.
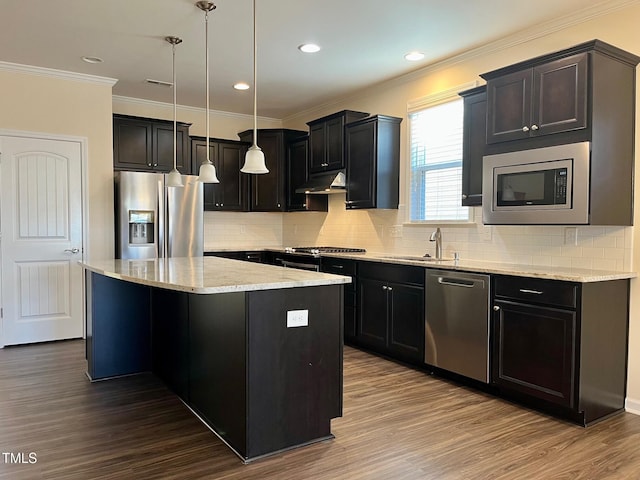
<point>161,233</point>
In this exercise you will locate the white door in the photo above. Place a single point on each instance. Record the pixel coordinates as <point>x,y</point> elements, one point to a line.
<point>41,239</point>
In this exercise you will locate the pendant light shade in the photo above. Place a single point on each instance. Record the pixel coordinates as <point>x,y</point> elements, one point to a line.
<point>254,161</point>
<point>174,179</point>
<point>207,173</point>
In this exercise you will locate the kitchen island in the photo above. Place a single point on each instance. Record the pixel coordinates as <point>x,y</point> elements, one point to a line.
<point>255,351</point>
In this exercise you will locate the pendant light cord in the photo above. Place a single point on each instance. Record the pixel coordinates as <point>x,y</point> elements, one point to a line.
<point>255,79</point>
<point>175,112</point>
<point>206,66</point>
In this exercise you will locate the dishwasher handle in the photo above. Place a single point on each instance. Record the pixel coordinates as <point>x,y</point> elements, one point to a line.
<point>459,282</point>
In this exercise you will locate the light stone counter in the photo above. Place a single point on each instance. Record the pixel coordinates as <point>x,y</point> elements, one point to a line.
<point>206,275</point>
<point>579,275</point>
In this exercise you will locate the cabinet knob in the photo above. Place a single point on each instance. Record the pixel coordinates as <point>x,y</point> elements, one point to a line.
<point>222,204</point>
<point>304,205</point>
<point>534,127</point>
<point>217,204</point>
<point>390,288</point>
<point>278,205</point>
<point>464,197</point>
<point>496,308</point>
<point>384,287</point>
<point>525,129</point>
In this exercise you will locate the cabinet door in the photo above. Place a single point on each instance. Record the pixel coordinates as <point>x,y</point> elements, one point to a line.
<point>232,193</point>
<point>406,321</point>
<point>372,312</point>
<point>339,266</point>
<point>560,95</point>
<point>132,144</point>
<point>474,139</point>
<point>534,351</point>
<point>297,173</point>
<point>317,146</point>
<point>268,189</point>
<point>361,145</point>
<point>509,107</point>
<point>335,143</point>
<point>163,148</point>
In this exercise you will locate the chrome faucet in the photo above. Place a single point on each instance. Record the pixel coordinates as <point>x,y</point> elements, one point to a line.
<point>437,237</point>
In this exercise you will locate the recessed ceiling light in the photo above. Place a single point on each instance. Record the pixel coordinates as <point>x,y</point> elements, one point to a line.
<point>241,86</point>
<point>92,59</point>
<point>309,48</point>
<point>414,56</point>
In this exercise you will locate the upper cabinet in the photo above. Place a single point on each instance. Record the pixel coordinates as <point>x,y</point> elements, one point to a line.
<point>298,175</point>
<point>563,97</point>
<point>232,193</point>
<point>326,140</point>
<point>473,144</point>
<point>269,190</point>
<point>547,98</point>
<point>144,144</point>
<point>372,147</point>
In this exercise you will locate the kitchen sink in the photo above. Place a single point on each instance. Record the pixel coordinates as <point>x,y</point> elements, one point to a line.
<point>419,259</point>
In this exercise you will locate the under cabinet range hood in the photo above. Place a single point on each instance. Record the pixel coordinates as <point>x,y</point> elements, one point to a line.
<point>334,182</point>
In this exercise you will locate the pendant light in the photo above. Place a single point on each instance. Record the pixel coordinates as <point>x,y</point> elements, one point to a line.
<point>174,179</point>
<point>254,159</point>
<point>207,173</point>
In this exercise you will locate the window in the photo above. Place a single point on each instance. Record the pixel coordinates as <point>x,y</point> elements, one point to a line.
<point>436,163</point>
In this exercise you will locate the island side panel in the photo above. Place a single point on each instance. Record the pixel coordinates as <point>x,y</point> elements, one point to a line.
<point>118,327</point>
<point>217,364</point>
<point>295,373</point>
<point>170,339</point>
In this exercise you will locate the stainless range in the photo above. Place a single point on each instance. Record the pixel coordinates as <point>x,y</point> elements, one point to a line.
<point>308,258</point>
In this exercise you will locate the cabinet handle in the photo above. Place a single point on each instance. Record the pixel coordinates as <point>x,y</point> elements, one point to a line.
<point>525,129</point>
<point>464,197</point>
<point>338,266</point>
<point>534,127</point>
<point>535,292</point>
<point>496,308</point>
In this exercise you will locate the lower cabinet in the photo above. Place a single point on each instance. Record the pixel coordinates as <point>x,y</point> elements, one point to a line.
<point>561,345</point>
<point>391,310</point>
<point>343,266</point>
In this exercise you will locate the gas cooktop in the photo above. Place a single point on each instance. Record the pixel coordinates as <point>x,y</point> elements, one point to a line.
<point>319,250</point>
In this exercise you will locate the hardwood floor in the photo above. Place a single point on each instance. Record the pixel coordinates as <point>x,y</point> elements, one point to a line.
<point>398,424</point>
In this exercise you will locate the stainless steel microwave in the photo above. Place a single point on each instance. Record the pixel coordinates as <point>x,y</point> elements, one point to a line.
<point>541,186</point>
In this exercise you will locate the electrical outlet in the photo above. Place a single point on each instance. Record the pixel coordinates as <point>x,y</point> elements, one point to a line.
<point>297,318</point>
<point>571,236</point>
<point>395,231</point>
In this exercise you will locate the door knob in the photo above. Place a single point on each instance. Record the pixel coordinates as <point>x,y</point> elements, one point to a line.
<point>72,250</point>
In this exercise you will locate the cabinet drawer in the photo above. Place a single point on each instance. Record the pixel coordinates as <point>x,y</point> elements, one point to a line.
<point>548,292</point>
<point>338,266</point>
<point>392,273</point>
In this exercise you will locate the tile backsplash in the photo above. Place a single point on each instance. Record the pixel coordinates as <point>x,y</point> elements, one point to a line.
<point>603,248</point>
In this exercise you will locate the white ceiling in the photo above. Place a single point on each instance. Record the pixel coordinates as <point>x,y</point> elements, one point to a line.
<point>363,43</point>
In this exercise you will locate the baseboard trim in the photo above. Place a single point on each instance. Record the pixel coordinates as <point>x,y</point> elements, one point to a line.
<point>632,406</point>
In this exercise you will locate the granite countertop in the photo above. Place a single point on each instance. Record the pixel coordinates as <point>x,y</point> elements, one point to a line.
<point>579,275</point>
<point>210,274</point>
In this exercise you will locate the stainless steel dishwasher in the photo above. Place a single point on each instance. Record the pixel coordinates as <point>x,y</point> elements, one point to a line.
<point>457,322</point>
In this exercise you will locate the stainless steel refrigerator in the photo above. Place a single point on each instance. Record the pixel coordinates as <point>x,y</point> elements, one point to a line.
<point>155,221</point>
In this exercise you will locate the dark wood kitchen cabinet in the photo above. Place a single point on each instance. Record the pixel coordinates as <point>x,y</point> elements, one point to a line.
<point>347,267</point>
<point>372,148</point>
<point>563,97</point>
<point>326,140</point>
<point>145,144</point>
<point>548,98</point>
<point>298,175</point>
<point>473,144</point>
<point>232,193</point>
<point>561,345</point>
<point>269,190</point>
<point>391,310</point>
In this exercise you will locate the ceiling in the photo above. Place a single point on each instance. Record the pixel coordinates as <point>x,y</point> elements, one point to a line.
<point>363,43</point>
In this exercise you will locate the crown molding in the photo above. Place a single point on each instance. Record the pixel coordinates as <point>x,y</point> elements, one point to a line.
<point>523,36</point>
<point>198,110</point>
<point>59,74</point>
